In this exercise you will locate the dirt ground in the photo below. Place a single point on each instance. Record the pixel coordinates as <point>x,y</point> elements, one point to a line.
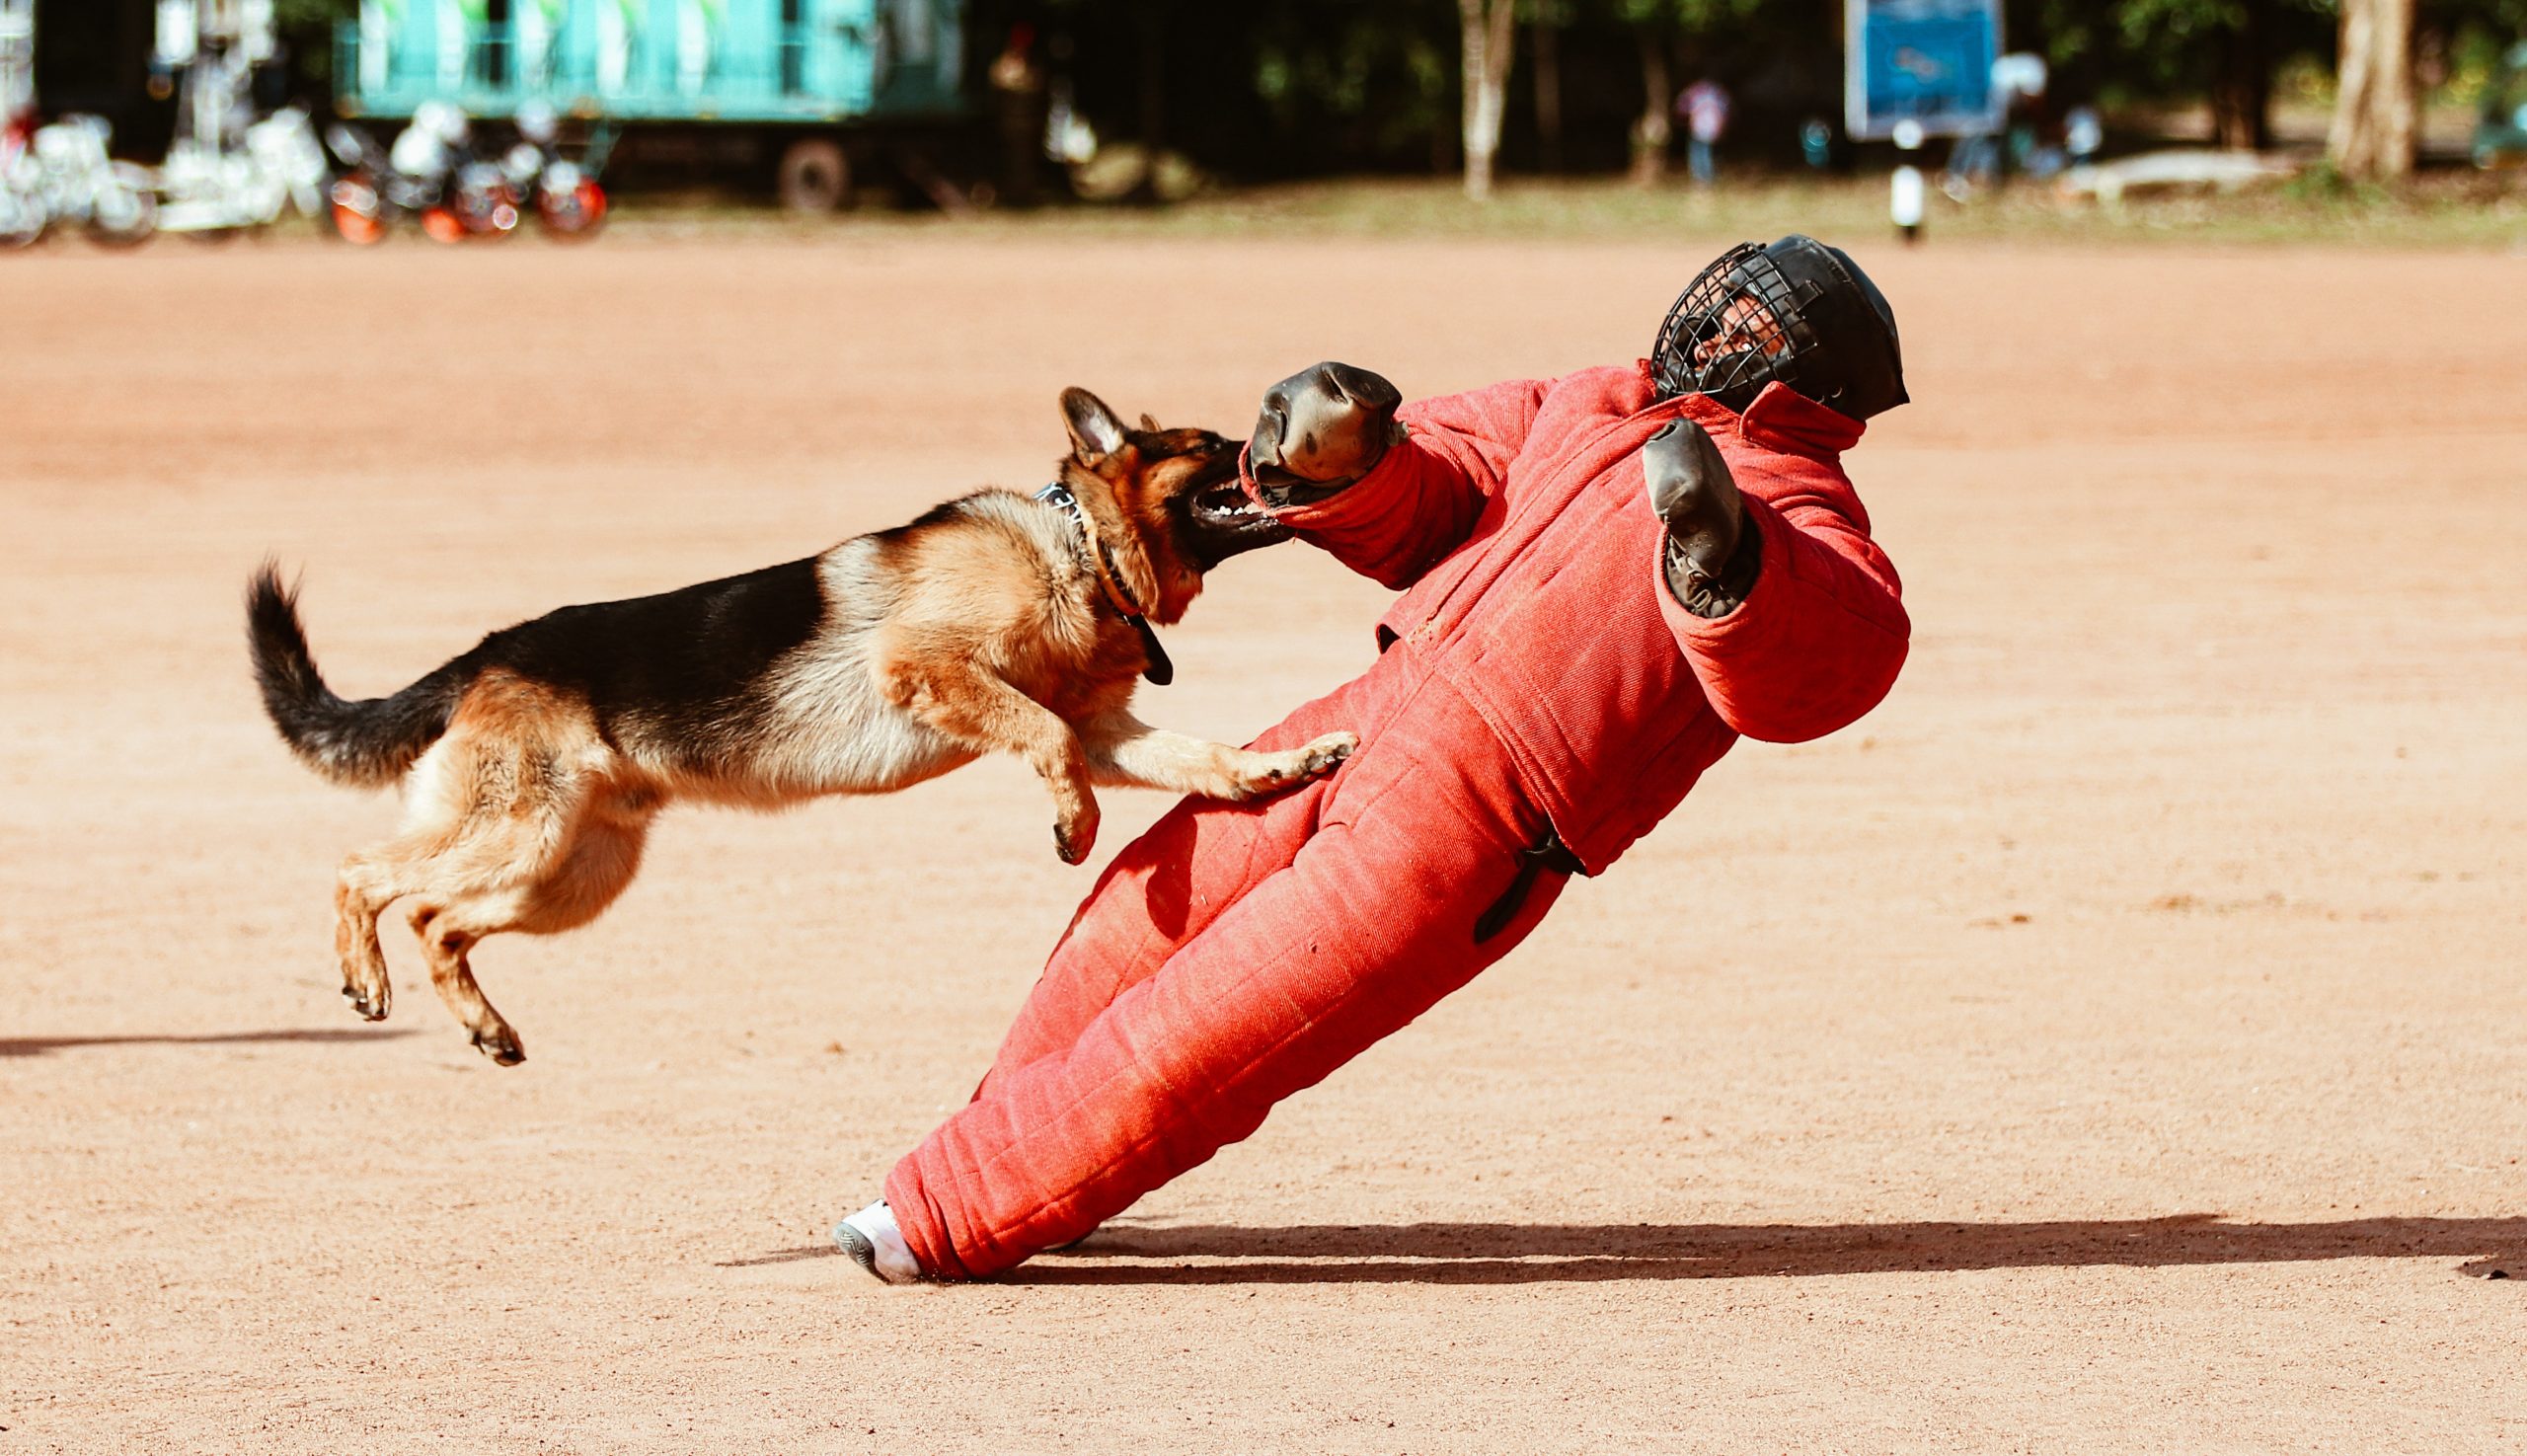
<point>2117,1042</point>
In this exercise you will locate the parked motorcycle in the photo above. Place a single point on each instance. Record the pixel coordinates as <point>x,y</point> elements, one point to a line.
<point>434,174</point>
<point>212,191</point>
<point>369,195</point>
<point>72,177</point>
<point>374,193</point>
<point>430,173</point>
<point>23,213</point>
<point>565,193</point>
<point>481,202</point>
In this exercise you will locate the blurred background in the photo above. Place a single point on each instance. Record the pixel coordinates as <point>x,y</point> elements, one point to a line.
<point>131,116</point>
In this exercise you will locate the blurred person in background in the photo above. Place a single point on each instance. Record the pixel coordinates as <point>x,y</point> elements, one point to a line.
<point>1980,158</point>
<point>2083,134</point>
<point>1608,579</point>
<point>1068,138</point>
<point>1816,143</point>
<point>1704,108</point>
<point>1018,89</point>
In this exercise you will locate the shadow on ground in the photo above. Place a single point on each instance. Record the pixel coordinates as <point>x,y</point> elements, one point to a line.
<point>1523,1254</point>
<point>783,1256</point>
<point>39,1046</point>
<point>1520,1254</point>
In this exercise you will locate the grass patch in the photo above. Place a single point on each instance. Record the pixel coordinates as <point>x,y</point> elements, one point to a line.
<point>2443,209</point>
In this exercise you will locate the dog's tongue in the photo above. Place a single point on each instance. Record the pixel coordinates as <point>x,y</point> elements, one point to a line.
<point>1285,490</point>
<point>1246,474</point>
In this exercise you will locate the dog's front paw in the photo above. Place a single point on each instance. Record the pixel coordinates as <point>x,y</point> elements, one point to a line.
<point>1326,754</point>
<point>1300,765</point>
<point>1075,836</point>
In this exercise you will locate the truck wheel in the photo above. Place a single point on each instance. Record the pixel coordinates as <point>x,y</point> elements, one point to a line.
<point>816,175</point>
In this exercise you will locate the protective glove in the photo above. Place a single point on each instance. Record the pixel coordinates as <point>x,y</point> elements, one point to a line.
<point>1320,430</point>
<point>1713,553</point>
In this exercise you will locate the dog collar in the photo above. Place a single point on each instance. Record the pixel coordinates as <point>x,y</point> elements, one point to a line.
<point>1161,670</point>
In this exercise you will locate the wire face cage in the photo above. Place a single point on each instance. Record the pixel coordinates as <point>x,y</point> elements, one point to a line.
<point>1741,324</point>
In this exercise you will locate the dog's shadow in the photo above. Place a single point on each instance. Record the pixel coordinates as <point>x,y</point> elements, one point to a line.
<point>1552,1254</point>
<point>43,1046</point>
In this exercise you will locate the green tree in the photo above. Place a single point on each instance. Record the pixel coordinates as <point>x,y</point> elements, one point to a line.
<point>2376,109</point>
<point>1488,35</point>
<point>2225,46</point>
<point>313,13</point>
<point>306,31</point>
<point>1545,21</point>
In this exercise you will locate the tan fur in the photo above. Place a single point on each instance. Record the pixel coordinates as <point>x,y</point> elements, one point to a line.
<point>984,633</point>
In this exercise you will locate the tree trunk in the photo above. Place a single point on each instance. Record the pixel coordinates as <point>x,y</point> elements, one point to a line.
<point>1546,39</point>
<point>2241,97</point>
<point>2372,139</point>
<point>1490,34</point>
<point>1657,125</point>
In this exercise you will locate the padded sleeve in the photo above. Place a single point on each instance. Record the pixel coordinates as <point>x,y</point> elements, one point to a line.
<point>1819,640</point>
<point>1423,499</point>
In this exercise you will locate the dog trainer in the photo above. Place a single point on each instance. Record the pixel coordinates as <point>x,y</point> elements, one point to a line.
<point>1610,578</point>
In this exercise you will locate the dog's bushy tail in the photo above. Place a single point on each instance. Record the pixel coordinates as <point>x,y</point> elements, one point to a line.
<point>366,744</point>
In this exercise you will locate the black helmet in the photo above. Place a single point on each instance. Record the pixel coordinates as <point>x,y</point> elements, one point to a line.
<point>1799,312</point>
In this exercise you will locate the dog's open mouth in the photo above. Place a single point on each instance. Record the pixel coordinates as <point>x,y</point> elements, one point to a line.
<point>1224,506</point>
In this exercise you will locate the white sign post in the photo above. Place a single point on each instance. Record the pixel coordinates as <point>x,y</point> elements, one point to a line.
<point>17,57</point>
<point>1904,188</point>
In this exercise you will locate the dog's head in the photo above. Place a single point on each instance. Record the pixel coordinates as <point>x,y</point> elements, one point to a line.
<point>1167,503</point>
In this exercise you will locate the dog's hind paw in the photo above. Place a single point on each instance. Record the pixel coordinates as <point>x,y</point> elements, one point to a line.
<point>500,1044</point>
<point>371,1005</point>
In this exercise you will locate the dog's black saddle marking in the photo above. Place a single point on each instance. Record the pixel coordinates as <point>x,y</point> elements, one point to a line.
<point>1161,669</point>
<point>689,671</point>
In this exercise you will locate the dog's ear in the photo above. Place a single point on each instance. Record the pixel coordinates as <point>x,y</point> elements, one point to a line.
<point>1095,430</point>
<point>1149,422</point>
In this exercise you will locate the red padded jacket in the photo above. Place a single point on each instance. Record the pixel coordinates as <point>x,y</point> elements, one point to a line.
<point>1519,521</point>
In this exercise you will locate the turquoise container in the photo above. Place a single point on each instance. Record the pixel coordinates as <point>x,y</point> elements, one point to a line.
<point>801,61</point>
<point>2501,140</point>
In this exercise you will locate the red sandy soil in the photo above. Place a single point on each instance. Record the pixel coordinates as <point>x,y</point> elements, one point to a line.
<point>2117,1042</point>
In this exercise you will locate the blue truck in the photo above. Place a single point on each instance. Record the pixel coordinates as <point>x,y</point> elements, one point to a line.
<point>813,82</point>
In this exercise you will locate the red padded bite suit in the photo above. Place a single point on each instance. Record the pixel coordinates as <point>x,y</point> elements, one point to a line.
<point>1536,675</point>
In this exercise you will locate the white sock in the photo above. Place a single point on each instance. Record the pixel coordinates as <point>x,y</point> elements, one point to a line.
<point>876,1224</point>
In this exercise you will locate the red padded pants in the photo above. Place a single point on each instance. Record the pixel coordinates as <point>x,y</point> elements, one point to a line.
<point>1232,956</point>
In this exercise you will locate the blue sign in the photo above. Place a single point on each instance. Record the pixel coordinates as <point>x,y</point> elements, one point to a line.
<point>1928,61</point>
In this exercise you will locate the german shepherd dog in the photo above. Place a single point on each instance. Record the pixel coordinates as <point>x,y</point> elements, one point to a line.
<point>533,764</point>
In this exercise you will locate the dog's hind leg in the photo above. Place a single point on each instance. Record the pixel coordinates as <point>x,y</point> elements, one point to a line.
<point>446,940</point>
<point>587,866</point>
<point>520,773</point>
<point>369,881</point>
<point>441,801</point>
<point>1122,749</point>
<point>358,900</point>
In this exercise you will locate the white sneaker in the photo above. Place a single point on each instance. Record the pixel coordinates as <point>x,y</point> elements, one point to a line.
<point>875,1244</point>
